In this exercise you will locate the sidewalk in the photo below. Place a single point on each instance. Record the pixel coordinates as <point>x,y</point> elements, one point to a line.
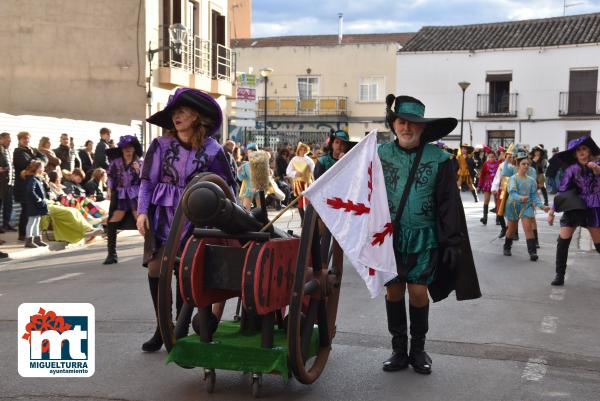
<point>16,249</point>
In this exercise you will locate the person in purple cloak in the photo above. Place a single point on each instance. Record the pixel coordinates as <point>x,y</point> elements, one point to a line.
<point>578,198</point>
<point>123,188</point>
<point>190,119</point>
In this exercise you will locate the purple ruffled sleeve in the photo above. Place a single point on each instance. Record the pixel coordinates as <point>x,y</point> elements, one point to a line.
<point>150,176</point>
<point>111,174</point>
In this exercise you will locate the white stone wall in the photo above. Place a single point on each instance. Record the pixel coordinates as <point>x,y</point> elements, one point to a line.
<point>538,76</point>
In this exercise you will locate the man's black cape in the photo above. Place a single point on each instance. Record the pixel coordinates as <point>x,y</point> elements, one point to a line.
<point>452,231</point>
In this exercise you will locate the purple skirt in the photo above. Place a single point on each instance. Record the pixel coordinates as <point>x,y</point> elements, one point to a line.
<point>127,204</point>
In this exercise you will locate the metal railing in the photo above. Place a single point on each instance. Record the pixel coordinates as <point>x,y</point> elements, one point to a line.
<point>293,106</point>
<point>221,62</point>
<point>194,58</point>
<point>276,139</point>
<point>504,105</point>
<point>198,56</point>
<point>584,103</point>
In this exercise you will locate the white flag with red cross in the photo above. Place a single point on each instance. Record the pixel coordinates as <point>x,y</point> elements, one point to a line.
<point>351,200</point>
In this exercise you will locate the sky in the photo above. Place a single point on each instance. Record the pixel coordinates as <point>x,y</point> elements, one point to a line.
<point>319,17</point>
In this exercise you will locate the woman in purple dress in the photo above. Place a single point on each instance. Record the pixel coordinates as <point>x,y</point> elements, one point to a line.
<point>187,148</point>
<point>581,181</point>
<point>123,188</point>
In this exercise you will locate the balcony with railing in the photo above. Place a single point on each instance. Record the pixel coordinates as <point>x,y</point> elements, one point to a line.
<point>585,103</point>
<point>504,105</point>
<point>295,106</point>
<point>201,64</point>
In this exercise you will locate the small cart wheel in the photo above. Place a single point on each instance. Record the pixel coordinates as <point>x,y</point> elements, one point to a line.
<point>210,377</point>
<point>256,384</point>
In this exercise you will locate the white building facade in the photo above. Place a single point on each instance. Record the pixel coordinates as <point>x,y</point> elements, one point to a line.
<point>531,82</point>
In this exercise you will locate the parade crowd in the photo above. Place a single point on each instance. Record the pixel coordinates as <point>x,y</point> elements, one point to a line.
<point>79,194</point>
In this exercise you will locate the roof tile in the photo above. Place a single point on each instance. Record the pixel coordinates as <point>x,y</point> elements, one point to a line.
<point>576,29</point>
<point>323,40</point>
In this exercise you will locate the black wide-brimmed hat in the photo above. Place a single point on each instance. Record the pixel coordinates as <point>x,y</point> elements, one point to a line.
<point>124,141</point>
<point>199,101</point>
<point>411,109</point>
<point>341,135</point>
<point>568,156</point>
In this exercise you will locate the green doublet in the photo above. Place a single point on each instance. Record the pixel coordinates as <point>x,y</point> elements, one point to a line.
<point>415,234</point>
<point>326,161</point>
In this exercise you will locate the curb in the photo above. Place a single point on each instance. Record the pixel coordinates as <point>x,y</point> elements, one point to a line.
<point>53,246</point>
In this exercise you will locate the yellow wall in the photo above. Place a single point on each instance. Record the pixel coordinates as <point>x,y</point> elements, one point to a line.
<point>339,67</point>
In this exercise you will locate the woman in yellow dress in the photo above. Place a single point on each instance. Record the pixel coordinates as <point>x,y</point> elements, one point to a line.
<point>300,170</point>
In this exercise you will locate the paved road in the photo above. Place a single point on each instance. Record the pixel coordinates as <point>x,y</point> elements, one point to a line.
<point>523,340</point>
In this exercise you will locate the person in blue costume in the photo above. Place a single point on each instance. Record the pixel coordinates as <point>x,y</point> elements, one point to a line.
<point>339,144</point>
<point>521,203</point>
<point>431,241</point>
<point>509,168</point>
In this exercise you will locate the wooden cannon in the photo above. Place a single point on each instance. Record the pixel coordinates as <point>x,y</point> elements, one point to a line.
<point>288,286</point>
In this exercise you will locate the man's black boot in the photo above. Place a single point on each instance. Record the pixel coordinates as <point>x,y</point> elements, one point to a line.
<point>156,342</point>
<point>396,316</point>
<point>507,246</point>
<point>483,220</point>
<point>537,241</point>
<point>562,253</point>
<point>419,325</point>
<point>531,249</point>
<point>111,244</point>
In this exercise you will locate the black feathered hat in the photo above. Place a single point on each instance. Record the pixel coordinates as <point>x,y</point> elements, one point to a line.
<point>411,109</point>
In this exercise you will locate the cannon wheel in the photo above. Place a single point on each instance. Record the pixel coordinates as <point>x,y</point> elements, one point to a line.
<point>314,300</point>
<point>168,257</point>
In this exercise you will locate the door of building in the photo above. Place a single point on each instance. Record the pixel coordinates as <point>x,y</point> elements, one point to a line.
<point>500,138</point>
<point>583,86</point>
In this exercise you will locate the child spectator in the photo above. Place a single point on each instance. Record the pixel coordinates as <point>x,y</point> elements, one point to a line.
<point>35,202</point>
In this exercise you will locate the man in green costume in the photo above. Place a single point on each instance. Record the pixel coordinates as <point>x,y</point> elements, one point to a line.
<point>339,144</point>
<point>431,242</point>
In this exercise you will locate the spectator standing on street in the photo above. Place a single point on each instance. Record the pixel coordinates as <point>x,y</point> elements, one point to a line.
<point>35,201</point>
<point>7,181</point>
<point>86,155</point>
<point>100,158</point>
<point>229,148</point>
<point>53,162</point>
<point>22,156</point>
<point>66,154</point>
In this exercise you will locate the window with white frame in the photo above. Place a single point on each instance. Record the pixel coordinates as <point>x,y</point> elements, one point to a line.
<point>308,87</point>
<point>371,89</point>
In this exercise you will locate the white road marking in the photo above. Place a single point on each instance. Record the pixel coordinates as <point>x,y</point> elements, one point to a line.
<point>549,324</point>
<point>558,294</point>
<point>63,277</point>
<point>128,259</point>
<point>535,369</point>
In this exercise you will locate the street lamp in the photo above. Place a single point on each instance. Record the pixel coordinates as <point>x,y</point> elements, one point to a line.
<point>177,37</point>
<point>463,85</point>
<point>265,72</point>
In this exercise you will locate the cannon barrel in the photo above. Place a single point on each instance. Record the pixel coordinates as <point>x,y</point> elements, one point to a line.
<point>206,205</point>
